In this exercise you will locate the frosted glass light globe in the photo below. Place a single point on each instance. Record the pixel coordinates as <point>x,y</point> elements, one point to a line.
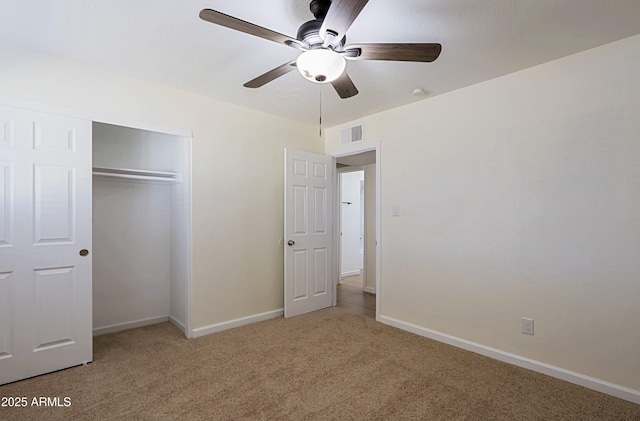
<point>321,66</point>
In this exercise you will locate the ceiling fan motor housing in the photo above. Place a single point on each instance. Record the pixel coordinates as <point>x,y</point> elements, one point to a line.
<point>319,8</point>
<point>309,32</point>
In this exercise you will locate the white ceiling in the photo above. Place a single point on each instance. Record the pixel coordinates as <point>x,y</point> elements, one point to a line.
<point>165,41</point>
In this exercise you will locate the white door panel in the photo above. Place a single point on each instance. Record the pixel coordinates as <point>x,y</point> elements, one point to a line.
<point>6,318</point>
<point>45,220</point>
<point>308,233</point>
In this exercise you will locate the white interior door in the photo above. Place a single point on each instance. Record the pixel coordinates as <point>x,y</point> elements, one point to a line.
<point>308,256</point>
<point>45,235</point>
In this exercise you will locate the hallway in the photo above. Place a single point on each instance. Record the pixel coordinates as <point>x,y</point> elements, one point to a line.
<point>352,298</point>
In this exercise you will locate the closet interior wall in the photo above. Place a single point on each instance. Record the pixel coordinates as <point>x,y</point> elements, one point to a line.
<point>139,228</point>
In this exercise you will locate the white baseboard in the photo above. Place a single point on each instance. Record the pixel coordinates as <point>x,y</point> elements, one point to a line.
<point>350,273</point>
<point>177,324</point>
<point>370,290</point>
<point>129,325</point>
<point>612,389</point>
<point>230,324</point>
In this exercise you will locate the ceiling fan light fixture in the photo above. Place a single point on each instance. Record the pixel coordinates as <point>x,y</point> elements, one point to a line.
<point>321,65</point>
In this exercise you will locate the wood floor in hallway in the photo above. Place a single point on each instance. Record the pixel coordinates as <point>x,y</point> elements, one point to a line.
<point>352,298</point>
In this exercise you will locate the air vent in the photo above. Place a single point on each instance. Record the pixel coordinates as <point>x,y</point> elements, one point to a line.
<point>351,135</point>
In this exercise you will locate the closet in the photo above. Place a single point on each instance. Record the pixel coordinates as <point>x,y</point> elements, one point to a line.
<point>141,225</point>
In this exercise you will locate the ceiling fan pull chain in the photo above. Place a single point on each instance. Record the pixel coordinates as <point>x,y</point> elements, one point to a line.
<point>320,121</point>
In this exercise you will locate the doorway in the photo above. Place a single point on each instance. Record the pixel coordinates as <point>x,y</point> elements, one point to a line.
<point>352,223</point>
<point>356,244</point>
<point>301,168</point>
<point>140,228</point>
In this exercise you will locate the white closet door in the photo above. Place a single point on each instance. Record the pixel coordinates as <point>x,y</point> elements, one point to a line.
<point>45,235</point>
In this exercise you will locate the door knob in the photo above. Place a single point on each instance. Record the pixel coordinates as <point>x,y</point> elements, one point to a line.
<point>84,252</point>
<point>291,242</point>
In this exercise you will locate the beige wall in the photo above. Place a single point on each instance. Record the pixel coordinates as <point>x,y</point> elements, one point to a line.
<point>519,197</point>
<point>237,172</point>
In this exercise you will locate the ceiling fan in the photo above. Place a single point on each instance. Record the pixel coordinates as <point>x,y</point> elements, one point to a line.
<point>323,45</point>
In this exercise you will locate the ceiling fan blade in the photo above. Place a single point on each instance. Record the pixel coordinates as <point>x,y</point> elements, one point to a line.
<point>340,16</point>
<point>227,21</point>
<point>394,52</point>
<point>271,75</point>
<point>344,86</point>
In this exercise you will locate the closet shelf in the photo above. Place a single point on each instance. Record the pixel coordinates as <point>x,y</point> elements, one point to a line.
<point>135,174</point>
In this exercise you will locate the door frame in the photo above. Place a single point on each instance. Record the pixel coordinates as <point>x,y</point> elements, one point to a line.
<point>187,137</point>
<point>356,150</point>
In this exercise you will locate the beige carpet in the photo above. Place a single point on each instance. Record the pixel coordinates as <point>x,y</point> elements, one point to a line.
<point>327,365</point>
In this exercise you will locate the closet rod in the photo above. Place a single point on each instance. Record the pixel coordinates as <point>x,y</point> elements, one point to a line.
<point>135,174</point>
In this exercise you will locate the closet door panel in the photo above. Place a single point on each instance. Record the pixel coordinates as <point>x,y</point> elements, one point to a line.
<point>6,316</point>
<point>6,199</point>
<point>45,222</point>
<point>54,204</point>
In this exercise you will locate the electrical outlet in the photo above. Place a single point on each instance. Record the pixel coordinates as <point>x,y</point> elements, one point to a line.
<point>527,326</point>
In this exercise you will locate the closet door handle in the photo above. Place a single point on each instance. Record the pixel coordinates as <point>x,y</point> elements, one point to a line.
<point>291,242</point>
<point>84,252</point>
